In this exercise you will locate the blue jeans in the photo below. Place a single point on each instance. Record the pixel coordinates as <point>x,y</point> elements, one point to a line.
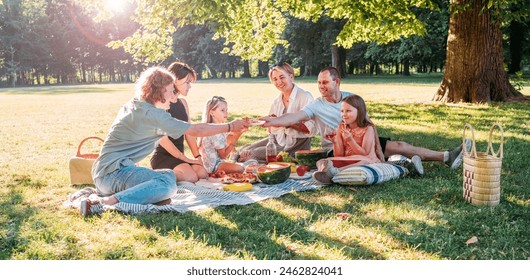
<point>132,184</point>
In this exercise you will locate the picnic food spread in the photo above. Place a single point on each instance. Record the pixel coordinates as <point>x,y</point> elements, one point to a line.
<point>222,177</point>
<point>274,173</point>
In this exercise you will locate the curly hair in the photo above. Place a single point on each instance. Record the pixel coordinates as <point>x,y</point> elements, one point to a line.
<point>152,83</point>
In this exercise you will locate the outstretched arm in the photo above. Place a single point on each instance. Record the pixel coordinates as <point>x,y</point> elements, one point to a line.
<point>286,120</point>
<point>208,129</point>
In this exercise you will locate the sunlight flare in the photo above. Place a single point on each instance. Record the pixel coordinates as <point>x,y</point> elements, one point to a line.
<point>116,6</point>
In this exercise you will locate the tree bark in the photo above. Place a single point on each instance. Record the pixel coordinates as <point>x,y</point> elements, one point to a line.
<point>475,63</point>
<point>246,69</point>
<point>338,59</point>
<point>406,68</point>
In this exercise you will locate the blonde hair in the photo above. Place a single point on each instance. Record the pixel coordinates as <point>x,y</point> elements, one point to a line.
<point>282,66</point>
<point>152,83</point>
<point>211,105</point>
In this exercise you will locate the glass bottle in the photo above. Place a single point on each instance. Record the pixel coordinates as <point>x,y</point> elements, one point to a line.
<point>270,149</point>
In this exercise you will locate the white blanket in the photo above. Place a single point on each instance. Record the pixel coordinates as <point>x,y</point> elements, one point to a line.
<point>203,195</point>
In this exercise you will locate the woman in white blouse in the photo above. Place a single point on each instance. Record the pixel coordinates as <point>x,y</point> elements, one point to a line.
<point>290,100</point>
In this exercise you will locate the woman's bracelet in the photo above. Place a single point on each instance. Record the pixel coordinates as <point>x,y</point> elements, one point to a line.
<point>198,156</point>
<point>229,127</point>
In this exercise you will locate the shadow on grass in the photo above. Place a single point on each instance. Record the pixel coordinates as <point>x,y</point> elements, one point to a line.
<point>502,231</point>
<point>259,232</point>
<point>440,229</point>
<point>12,213</point>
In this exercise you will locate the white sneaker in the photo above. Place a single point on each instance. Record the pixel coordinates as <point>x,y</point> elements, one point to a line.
<point>456,155</point>
<point>418,166</point>
<point>329,169</point>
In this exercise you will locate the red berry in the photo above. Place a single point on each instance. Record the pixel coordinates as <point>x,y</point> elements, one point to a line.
<point>300,170</point>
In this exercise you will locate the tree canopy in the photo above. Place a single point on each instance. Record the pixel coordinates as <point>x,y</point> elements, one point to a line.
<point>253,28</point>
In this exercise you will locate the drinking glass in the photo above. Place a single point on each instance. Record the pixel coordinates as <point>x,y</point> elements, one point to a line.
<point>329,133</point>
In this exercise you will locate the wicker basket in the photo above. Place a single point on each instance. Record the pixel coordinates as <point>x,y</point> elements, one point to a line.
<point>81,165</point>
<point>482,171</point>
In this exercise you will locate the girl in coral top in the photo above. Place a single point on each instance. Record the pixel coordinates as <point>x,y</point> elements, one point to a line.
<point>354,142</point>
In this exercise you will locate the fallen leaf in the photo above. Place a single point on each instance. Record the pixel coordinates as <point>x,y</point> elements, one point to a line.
<point>292,248</point>
<point>472,240</point>
<point>343,216</point>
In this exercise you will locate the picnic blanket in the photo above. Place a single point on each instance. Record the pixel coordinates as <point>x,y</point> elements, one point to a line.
<point>202,195</point>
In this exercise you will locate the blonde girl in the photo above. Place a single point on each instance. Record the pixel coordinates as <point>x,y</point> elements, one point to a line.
<point>216,149</point>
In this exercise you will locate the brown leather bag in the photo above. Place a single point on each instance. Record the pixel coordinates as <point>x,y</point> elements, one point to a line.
<point>81,165</point>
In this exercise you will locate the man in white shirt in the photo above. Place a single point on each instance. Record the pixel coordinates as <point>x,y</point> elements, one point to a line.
<point>325,111</point>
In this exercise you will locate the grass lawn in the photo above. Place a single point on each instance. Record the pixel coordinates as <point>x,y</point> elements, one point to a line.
<point>411,218</point>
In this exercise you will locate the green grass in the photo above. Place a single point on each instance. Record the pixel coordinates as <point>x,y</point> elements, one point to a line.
<point>411,218</point>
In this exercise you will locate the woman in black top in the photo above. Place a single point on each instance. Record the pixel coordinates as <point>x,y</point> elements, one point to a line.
<point>170,152</point>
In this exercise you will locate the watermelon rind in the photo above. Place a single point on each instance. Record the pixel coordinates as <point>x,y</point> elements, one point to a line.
<point>310,157</point>
<point>276,173</point>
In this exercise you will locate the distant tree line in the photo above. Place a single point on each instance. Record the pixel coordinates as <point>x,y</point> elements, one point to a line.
<point>46,42</point>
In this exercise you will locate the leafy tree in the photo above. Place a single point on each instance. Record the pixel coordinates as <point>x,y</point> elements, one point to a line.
<point>11,36</point>
<point>254,27</point>
<point>195,45</point>
<point>305,39</point>
<point>475,63</point>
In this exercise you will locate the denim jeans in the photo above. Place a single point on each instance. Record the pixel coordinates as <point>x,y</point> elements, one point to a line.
<point>132,184</point>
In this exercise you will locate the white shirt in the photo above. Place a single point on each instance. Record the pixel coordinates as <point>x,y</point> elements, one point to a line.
<point>325,114</point>
<point>299,98</point>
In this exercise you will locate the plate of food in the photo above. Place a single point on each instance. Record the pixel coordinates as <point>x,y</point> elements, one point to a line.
<point>256,122</point>
<point>295,176</point>
<point>222,177</point>
<point>253,121</point>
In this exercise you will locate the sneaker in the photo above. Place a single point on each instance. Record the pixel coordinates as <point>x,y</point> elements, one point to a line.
<point>84,207</point>
<point>415,166</point>
<point>321,177</point>
<point>329,168</point>
<point>90,205</point>
<point>468,145</point>
<point>456,155</point>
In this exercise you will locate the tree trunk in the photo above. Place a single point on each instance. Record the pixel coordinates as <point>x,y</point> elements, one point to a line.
<point>406,68</point>
<point>338,56</point>
<point>263,68</point>
<point>474,67</point>
<point>246,69</point>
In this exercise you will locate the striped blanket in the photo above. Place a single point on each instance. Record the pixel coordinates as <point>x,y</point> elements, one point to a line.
<point>203,195</point>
